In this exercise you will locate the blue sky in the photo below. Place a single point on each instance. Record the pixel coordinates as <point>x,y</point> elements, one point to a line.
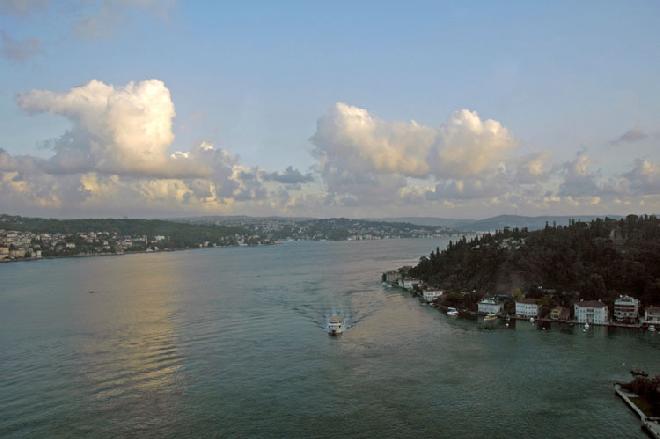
<point>254,78</point>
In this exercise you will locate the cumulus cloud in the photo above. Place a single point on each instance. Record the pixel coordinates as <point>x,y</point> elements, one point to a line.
<point>118,152</point>
<point>349,137</point>
<point>125,130</point>
<point>19,50</point>
<point>119,157</point>
<point>469,145</point>
<point>362,158</point>
<point>644,178</point>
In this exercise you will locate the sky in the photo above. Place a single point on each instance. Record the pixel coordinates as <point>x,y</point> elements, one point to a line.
<point>147,108</point>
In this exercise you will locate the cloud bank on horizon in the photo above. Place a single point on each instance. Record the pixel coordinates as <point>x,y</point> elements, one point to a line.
<point>119,157</point>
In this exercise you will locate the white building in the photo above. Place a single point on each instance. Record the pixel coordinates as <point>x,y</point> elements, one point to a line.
<point>489,305</point>
<point>591,311</point>
<point>626,309</point>
<point>430,296</point>
<point>652,315</point>
<point>409,284</point>
<point>527,308</point>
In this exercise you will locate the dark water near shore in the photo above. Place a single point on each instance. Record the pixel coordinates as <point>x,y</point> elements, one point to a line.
<point>231,343</point>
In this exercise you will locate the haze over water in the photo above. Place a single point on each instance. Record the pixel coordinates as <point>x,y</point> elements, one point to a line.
<point>231,343</point>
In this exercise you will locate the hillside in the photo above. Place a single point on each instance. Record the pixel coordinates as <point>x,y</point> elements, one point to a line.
<point>598,259</point>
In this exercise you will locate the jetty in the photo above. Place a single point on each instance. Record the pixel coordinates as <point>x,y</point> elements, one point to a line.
<point>650,424</point>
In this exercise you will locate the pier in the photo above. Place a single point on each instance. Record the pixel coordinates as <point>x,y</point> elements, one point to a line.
<point>650,424</point>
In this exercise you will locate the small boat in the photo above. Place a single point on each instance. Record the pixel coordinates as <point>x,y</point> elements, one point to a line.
<point>490,317</point>
<point>531,320</point>
<point>335,325</point>
<point>586,326</point>
<point>490,320</point>
<point>452,312</point>
<point>651,328</point>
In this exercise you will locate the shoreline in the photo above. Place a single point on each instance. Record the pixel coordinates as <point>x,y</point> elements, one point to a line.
<point>650,425</point>
<point>44,258</point>
<point>96,255</point>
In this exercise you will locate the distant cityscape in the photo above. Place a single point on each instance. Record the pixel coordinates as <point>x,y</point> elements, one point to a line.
<point>31,238</point>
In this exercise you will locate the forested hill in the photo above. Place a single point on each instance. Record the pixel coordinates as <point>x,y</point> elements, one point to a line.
<point>598,259</point>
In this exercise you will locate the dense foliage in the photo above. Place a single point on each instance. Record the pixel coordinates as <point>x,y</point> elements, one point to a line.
<point>598,259</point>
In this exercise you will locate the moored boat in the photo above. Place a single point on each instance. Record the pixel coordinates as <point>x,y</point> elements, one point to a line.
<point>490,320</point>
<point>452,312</point>
<point>490,317</point>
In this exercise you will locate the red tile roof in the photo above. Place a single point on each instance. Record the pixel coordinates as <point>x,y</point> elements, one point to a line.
<point>590,304</point>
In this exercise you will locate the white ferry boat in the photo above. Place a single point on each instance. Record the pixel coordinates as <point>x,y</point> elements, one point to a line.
<point>335,325</point>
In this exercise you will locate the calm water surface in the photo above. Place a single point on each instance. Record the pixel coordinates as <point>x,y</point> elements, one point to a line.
<point>231,343</point>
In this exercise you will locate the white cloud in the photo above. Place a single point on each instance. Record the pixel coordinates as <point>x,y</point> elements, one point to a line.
<point>125,130</point>
<point>350,138</point>
<point>644,178</point>
<point>363,159</point>
<point>117,155</point>
<point>578,179</point>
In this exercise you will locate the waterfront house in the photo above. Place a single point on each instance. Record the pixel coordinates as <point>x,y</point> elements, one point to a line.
<point>527,308</point>
<point>652,315</point>
<point>591,311</point>
<point>409,284</point>
<point>392,277</point>
<point>489,305</point>
<point>560,313</point>
<point>17,253</point>
<point>430,296</point>
<point>626,309</point>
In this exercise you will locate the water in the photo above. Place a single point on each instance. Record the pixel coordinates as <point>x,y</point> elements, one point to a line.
<point>231,343</point>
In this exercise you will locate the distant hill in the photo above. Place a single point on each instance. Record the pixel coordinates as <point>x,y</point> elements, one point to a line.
<point>498,222</point>
<point>430,221</point>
